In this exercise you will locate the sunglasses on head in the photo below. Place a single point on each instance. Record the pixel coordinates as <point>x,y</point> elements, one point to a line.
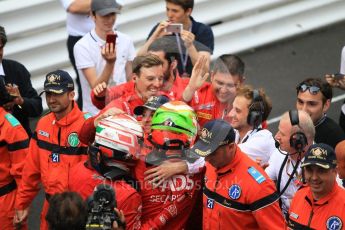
<point>312,89</point>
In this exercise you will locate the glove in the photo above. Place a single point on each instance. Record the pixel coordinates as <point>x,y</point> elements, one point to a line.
<point>172,209</point>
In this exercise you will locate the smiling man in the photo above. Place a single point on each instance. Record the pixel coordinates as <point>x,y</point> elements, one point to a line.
<point>294,136</point>
<point>173,84</point>
<point>147,81</point>
<point>250,108</point>
<point>214,100</point>
<point>320,205</point>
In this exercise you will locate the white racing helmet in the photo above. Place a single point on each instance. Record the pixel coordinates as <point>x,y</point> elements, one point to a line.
<point>118,139</point>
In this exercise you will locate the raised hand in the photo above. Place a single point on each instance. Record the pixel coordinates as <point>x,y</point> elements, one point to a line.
<point>109,53</point>
<point>187,37</point>
<point>198,77</point>
<point>100,89</point>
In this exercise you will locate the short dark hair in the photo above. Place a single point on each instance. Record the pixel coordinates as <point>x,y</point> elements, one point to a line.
<point>229,63</point>
<point>168,46</point>
<point>146,61</point>
<point>325,88</point>
<point>3,36</point>
<point>67,210</point>
<point>185,4</point>
<point>247,92</point>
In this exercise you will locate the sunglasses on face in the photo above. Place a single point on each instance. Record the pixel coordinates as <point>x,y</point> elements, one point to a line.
<point>312,89</point>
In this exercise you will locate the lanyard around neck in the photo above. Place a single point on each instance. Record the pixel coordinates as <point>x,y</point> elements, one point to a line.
<point>184,57</point>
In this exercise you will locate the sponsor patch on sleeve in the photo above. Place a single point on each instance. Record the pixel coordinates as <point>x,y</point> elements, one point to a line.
<point>258,177</point>
<point>13,121</point>
<point>87,116</point>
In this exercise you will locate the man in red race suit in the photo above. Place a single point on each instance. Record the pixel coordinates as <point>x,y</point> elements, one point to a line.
<point>174,129</point>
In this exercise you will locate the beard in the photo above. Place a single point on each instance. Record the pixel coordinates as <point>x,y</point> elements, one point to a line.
<point>166,75</point>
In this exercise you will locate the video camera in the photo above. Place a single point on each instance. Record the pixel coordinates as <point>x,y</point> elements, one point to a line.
<point>101,204</point>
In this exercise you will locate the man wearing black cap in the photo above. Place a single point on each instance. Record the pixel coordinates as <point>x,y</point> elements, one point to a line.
<point>14,143</point>
<point>238,194</point>
<point>145,112</point>
<point>320,205</point>
<point>54,147</point>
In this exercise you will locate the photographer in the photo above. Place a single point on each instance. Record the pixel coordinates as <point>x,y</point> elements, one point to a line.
<point>67,210</point>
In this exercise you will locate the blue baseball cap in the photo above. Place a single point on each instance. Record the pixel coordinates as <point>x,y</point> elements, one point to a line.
<point>321,155</point>
<point>153,103</point>
<point>214,134</point>
<point>58,82</point>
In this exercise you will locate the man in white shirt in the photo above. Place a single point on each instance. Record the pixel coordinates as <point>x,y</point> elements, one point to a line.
<point>98,61</point>
<point>249,109</point>
<point>78,23</point>
<point>295,134</point>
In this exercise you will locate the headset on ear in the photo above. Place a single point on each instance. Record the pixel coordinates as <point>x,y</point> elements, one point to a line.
<point>298,140</point>
<point>255,113</point>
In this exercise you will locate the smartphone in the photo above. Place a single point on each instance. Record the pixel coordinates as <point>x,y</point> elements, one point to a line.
<point>338,76</point>
<point>174,28</point>
<point>111,38</point>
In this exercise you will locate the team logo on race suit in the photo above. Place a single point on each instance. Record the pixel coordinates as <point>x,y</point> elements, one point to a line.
<point>234,191</point>
<point>73,139</point>
<point>43,133</point>
<point>178,183</point>
<point>334,223</point>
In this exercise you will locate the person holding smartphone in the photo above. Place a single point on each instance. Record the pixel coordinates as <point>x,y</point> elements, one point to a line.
<point>78,23</point>
<point>195,38</point>
<point>16,77</point>
<point>103,54</point>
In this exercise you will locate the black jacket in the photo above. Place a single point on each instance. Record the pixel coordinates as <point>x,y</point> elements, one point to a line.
<point>16,73</point>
